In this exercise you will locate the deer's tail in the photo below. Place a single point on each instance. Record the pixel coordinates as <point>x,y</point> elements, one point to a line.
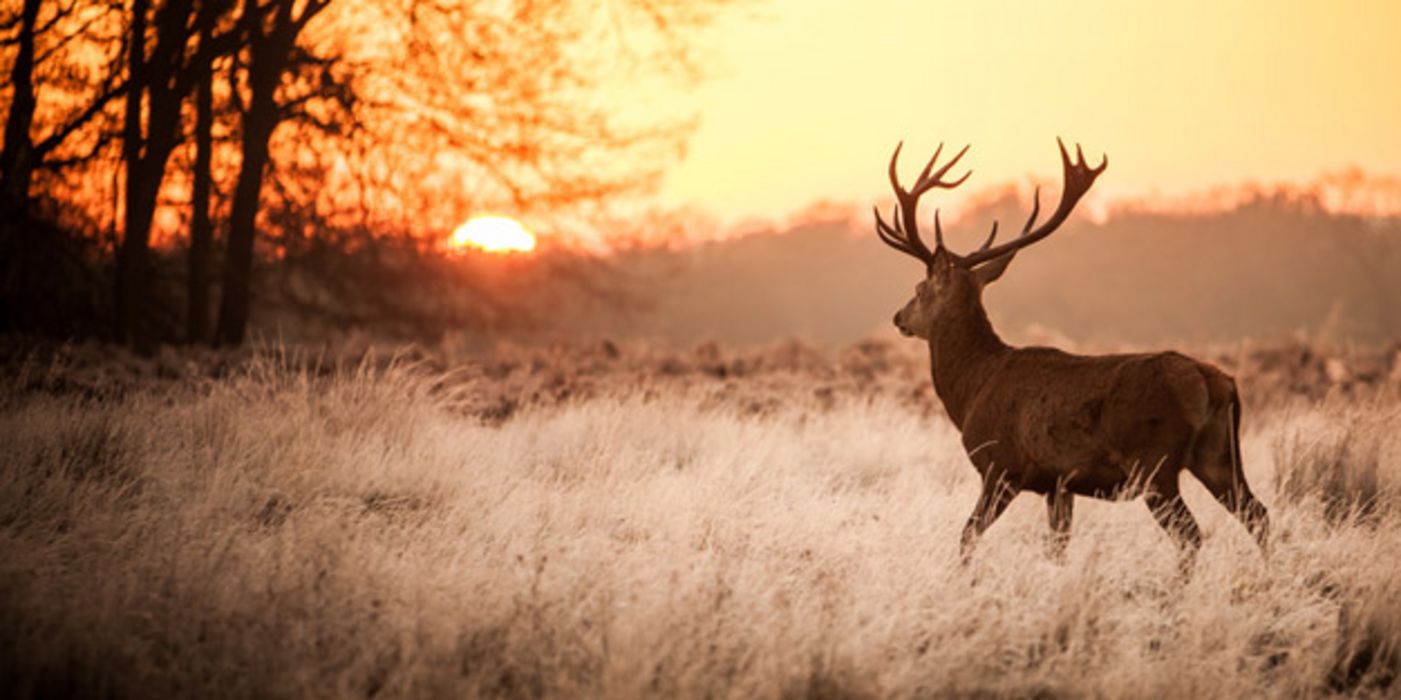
<point>1234,408</point>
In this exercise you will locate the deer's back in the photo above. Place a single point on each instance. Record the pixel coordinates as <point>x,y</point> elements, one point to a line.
<point>1090,422</point>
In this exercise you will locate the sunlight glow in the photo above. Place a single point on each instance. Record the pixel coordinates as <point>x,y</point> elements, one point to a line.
<point>1183,96</point>
<point>494,234</point>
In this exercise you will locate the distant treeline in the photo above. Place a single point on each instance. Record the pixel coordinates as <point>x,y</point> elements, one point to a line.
<point>1276,265</point>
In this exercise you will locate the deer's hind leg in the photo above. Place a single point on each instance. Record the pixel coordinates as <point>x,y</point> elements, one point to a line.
<point>1217,465</point>
<point>1059,509</point>
<point>1170,511</point>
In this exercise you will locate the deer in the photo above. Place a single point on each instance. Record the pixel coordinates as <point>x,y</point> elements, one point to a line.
<point>1058,424</point>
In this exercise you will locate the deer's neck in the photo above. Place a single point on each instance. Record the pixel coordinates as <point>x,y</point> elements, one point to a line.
<point>962,353</point>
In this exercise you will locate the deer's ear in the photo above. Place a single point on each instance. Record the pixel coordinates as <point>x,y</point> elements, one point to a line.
<point>988,272</point>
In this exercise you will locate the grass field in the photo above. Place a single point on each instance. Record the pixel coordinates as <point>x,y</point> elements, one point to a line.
<point>620,522</point>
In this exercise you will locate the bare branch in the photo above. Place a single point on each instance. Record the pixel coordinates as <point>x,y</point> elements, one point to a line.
<point>94,108</point>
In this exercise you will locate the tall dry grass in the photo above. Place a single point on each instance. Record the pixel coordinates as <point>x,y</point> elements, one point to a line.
<point>1344,456</point>
<point>300,529</point>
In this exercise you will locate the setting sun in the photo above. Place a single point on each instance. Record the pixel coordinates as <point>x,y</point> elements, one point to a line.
<point>495,234</point>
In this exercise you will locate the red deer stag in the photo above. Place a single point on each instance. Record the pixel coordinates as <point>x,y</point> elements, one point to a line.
<point>1038,419</point>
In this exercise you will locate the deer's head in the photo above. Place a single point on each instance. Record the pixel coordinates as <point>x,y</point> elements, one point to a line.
<point>953,281</point>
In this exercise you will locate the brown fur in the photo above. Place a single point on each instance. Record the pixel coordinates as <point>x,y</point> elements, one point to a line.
<point>1042,420</point>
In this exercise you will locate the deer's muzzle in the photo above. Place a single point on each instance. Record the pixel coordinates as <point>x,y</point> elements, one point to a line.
<point>901,325</point>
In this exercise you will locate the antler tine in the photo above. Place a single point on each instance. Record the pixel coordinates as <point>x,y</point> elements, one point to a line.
<point>991,237</point>
<point>893,173</point>
<point>1030,221</point>
<point>902,233</point>
<point>1078,178</point>
<point>890,236</point>
<point>924,174</point>
<point>928,182</point>
<point>938,231</point>
<point>1035,210</point>
<point>1080,159</point>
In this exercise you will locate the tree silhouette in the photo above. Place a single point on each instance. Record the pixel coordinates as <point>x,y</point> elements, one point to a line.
<point>17,158</point>
<point>43,31</point>
<point>199,260</point>
<point>273,31</point>
<point>161,75</point>
<point>437,108</point>
<point>42,38</point>
<point>336,125</point>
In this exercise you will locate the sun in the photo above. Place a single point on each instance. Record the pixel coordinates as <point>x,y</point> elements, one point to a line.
<point>494,234</point>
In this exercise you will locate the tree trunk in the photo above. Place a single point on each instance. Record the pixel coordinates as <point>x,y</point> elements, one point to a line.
<point>17,158</point>
<point>201,228</point>
<point>146,158</point>
<point>268,57</point>
<point>270,53</point>
<point>16,171</point>
<point>236,300</point>
<point>132,254</point>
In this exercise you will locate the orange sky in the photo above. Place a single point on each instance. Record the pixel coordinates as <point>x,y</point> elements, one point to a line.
<point>807,100</point>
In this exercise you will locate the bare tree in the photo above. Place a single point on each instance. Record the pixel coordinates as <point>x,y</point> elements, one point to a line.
<point>42,31</point>
<point>341,124</point>
<point>40,38</point>
<point>201,225</point>
<point>453,107</point>
<point>17,158</point>
<point>161,76</point>
<point>273,31</point>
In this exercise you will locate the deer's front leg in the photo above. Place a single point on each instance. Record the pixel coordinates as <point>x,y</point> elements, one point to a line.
<point>997,493</point>
<point>1059,505</point>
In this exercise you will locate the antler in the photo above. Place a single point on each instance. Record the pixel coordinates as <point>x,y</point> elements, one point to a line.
<point>1079,177</point>
<point>904,235</point>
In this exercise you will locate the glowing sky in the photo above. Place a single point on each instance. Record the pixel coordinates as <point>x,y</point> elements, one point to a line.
<point>807,100</point>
